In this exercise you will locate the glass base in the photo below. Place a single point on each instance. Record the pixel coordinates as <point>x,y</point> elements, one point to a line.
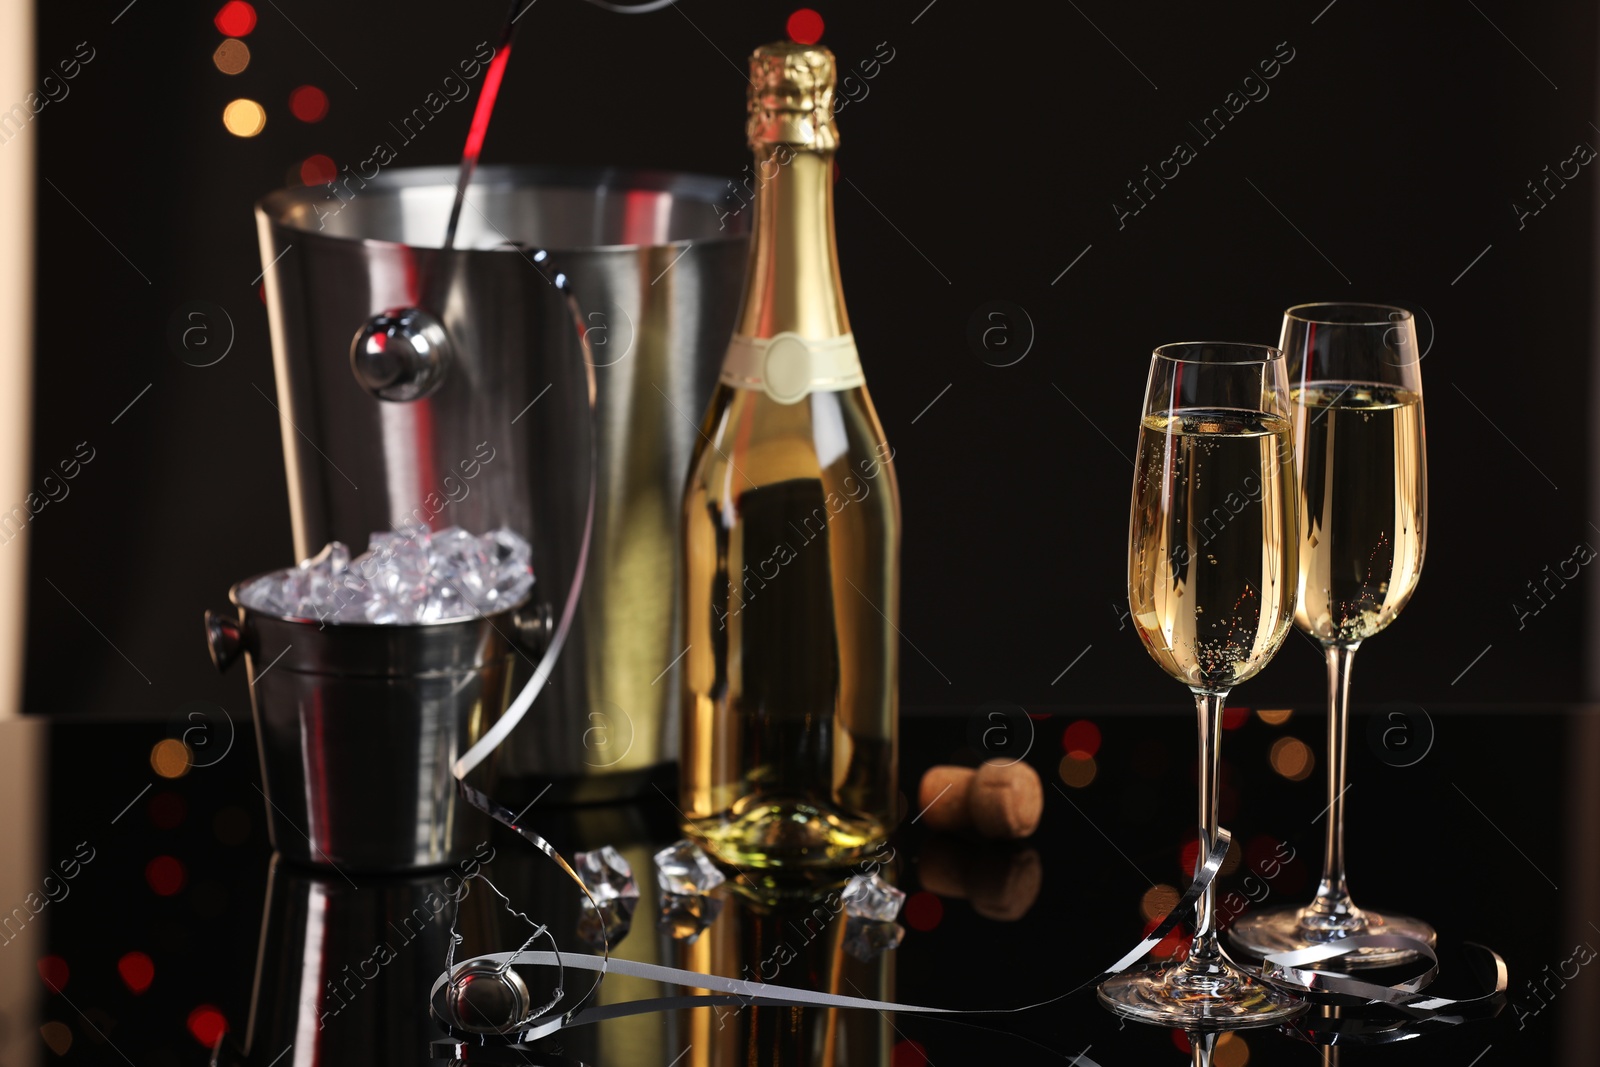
<point>1215,996</point>
<point>1259,933</point>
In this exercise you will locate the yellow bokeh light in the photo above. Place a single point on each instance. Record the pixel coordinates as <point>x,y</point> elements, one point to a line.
<point>1078,771</point>
<point>1231,1051</point>
<point>1292,758</point>
<point>170,758</point>
<point>1276,717</point>
<point>1232,858</point>
<point>231,56</point>
<point>1157,901</point>
<point>244,118</point>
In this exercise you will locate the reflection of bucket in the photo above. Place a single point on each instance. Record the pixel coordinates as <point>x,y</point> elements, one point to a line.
<point>358,725</point>
<point>502,439</point>
<point>343,972</point>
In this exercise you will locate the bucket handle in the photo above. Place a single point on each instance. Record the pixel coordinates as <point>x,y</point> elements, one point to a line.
<point>224,638</point>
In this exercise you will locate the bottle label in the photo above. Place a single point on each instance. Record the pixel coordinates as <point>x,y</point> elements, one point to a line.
<point>788,367</point>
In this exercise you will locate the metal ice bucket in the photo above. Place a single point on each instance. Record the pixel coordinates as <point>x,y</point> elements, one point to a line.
<point>358,725</point>
<point>656,267</point>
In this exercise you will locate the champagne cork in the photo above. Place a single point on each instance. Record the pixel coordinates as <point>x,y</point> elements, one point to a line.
<point>1006,799</point>
<point>1000,799</point>
<point>943,797</point>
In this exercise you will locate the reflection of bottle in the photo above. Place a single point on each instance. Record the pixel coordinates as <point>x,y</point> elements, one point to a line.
<point>792,530</point>
<point>804,941</point>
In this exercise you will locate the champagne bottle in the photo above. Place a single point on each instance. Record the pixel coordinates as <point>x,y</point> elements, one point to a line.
<point>791,521</point>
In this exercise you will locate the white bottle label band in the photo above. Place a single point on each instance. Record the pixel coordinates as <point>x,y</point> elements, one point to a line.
<point>788,367</point>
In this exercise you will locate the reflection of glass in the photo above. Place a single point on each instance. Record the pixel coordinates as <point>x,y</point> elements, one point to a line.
<point>1211,566</point>
<point>803,940</point>
<point>1363,492</point>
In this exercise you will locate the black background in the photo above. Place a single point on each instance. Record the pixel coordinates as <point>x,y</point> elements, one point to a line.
<point>984,161</point>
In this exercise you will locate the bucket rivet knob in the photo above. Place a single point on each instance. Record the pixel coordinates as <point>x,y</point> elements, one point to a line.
<point>224,639</point>
<point>485,998</point>
<point>400,354</point>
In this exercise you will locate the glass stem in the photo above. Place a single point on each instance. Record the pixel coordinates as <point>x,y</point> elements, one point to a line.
<point>1203,950</point>
<point>1332,906</point>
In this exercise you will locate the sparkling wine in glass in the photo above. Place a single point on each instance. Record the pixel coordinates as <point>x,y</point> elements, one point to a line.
<point>1212,566</point>
<point>1362,472</point>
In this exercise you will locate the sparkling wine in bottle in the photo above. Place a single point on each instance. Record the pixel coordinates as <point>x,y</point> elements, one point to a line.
<point>791,521</point>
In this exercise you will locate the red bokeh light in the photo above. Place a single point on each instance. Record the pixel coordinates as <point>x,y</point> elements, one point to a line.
<point>804,26</point>
<point>909,1054</point>
<point>54,971</point>
<point>1259,850</point>
<point>167,810</point>
<point>923,911</point>
<point>1233,718</point>
<point>308,103</point>
<point>1181,1039</point>
<point>1169,946</point>
<point>165,875</point>
<point>1189,856</point>
<point>318,170</point>
<point>137,971</point>
<point>235,19</point>
<point>207,1024</point>
<point>1081,740</point>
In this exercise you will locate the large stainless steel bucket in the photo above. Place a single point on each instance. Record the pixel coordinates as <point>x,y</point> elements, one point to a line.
<point>656,268</point>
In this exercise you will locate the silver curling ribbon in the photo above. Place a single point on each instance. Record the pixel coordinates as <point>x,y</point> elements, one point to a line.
<point>507,722</point>
<point>1296,972</point>
<point>729,991</point>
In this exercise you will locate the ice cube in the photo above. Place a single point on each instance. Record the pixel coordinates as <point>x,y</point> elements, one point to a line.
<point>457,561</point>
<point>510,573</point>
<point>682,869</point>
<point>607,875</point>
<point>870,897</point>
<point>406,576</point>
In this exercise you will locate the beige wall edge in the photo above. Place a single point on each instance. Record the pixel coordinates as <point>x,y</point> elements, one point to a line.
<point>17,190</point>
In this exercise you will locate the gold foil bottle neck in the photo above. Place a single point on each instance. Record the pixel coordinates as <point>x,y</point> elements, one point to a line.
<point>791,96</point>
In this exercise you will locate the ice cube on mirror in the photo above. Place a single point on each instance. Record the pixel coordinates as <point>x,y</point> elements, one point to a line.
<point>683,869</point>
<point>870,897</point>
<point>607,875</point>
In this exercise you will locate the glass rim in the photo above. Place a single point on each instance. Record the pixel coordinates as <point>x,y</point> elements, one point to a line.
<point>1218,353</point>
<point>1392,309</point>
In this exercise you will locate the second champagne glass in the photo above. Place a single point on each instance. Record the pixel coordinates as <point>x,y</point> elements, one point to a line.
<point>1363,486</point>
<point>1211,575</point>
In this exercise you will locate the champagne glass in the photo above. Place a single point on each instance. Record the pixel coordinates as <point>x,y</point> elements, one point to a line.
<point>1211,573</point>
<point>1363,494</point>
